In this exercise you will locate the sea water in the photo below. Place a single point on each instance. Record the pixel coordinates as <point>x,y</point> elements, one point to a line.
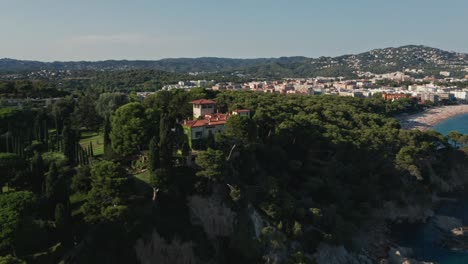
<point>422,238</point>
<point>458,123</point>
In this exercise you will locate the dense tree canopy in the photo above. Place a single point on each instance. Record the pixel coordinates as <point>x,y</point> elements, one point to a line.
<point>15,209</point>
<point>301,171</point>
<point>241,128</point>
<point>10,164</point>
<point>106,199</point>
<point>109,102</point>
<point>129,132</point>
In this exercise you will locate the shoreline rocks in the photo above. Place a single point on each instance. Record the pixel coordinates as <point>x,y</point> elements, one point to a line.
<point>454,233</point>
<point>411,213</point>
<point>446,223</point>
<point>402,255</point>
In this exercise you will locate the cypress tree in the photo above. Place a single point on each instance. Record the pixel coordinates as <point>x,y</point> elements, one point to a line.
<point>165,143</point>
<point>153,155</point>
<point>46,134</point>
<point>69,144</point>
<point>37,172</point>
<point>13,144</point>
<point>78,150</point>
<point>9,142</point>
<point>51,182</point>
<point>57,136</point>
<point>161,178</point>
<point>62,223</point>
<point>91,151</point>
<point>7,147</point>
<point>107,141</point>
<point>52,189</point>
<point>21,148</point>
<point>84,157</point>
<point>79,160</point>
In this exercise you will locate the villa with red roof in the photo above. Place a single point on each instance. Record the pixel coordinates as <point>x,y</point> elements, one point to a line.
<point>206,121</point>
<point>202,107</point>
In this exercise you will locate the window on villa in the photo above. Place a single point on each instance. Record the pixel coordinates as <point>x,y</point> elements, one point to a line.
<point>198,134</point>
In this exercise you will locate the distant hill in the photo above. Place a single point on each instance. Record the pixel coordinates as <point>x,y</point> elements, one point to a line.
<point>377,61</point>
<point>172,65</point>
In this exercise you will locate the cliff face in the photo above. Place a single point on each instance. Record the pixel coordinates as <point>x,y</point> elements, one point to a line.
<point>373,238</point>
<point>327,254</point>
<point>157,250</point>
<point>411,213</point>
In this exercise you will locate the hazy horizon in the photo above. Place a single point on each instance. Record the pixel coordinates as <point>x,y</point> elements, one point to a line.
<point>217,57</point>
<point>154,30</point>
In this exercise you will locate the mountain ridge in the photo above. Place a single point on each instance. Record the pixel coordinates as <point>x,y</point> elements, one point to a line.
<point>376,60</point>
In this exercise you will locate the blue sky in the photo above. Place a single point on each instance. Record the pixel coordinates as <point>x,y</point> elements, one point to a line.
<point>154,29</point>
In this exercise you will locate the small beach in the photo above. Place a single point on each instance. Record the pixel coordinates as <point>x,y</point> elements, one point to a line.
<point>431,117</point>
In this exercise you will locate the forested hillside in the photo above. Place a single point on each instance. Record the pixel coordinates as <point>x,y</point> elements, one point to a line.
<point>104,178</point>
<point>431,60</point>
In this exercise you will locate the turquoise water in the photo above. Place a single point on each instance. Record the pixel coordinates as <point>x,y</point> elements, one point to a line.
<point>458,123</point>
<point>422,237</point>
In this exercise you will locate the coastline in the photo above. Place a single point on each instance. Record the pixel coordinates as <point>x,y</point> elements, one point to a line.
<point>429,118</point>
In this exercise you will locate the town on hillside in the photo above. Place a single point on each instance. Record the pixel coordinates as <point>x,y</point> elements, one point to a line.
<point>391,86</point>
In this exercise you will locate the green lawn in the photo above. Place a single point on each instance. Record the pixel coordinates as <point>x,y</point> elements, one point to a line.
<point>144,176</point>
<point>96,139</point>
<point>142,183</point>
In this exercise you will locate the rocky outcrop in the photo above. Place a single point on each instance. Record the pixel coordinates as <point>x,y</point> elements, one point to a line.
<point>327,254</point>
<point>216,219</point>
<point>157,250</point>
<point>372,239</point>
<point>446,223</point>
<point>257,221</point>
<point>402,255</point>
<point>454,234</point>
<point>411,213</point>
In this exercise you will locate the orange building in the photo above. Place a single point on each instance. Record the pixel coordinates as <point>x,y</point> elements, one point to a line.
<point>390,97</point>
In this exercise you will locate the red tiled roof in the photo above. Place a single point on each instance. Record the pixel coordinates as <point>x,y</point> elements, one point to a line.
<point>208,120</point>
<point>203,101</point>
<point>241,110</point>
